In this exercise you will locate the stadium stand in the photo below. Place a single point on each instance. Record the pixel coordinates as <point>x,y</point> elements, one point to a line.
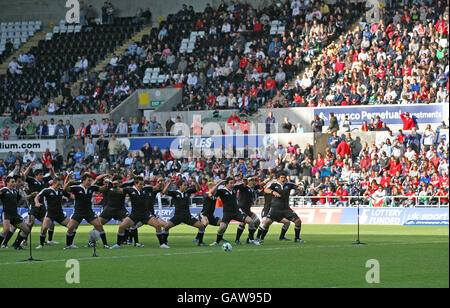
<point>67,53</point>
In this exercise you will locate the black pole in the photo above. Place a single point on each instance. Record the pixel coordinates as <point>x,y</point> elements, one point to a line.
<point>358,242</point>
<point>31,252</point>
<point>95,249</point>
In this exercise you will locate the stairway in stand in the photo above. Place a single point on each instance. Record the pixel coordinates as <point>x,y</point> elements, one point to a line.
<point>101,65</point>
<point>32,42</point>
<point>120,50</point>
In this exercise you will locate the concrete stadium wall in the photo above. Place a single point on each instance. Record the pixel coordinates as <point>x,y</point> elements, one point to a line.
<point>170,97</point>
<point>75,119</point>
<point>304,116</point>
<point>127,109</point>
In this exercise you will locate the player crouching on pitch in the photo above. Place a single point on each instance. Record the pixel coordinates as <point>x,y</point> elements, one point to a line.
<point>231,211</point>
<point>280,191</point>
<point>83,206</point>
<point>140,214</point>
<point>181,199</point>
<point>10,198</point>
<point>52,196</point>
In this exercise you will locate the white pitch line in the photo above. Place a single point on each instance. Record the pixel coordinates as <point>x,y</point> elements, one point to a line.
<point>300,246</point>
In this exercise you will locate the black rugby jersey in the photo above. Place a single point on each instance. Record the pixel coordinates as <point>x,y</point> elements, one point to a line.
<point>138,200</point>
<point>209,205</point>
<point>10,199</point>
<point>247,195</point>
<point>229,200</point>
<point>150,198</point>
<point>113,199</point>
<point>37,186</point>
<point>53,199</point>
<point>83,196</point>
<point>284,191</point>
<point>181,201</point>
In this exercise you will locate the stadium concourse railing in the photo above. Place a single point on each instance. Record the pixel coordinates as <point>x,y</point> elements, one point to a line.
<point>308,201</point>
<point>368,201</point>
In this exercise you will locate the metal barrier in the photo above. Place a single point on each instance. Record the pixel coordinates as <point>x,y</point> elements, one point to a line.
<point>310,201</point>
<point>366,201</point>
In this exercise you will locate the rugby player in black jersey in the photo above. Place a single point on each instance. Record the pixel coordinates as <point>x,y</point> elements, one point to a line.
<point>37,183</point>
<point>52,197</point>
<point>226,192</point>
<point>280,191</point>
<point>10,198</point>
<point>247,197</point>
<point>206,216</point>
<point>181,199</point>
<point>12,229</point>
<point>151,193</point>
<point>114,203</point>
<point>140,212</point>
<point>267,203</point>
<point>83,206</point>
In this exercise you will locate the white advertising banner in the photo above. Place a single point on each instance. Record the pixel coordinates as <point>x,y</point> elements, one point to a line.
<point>34,145</point>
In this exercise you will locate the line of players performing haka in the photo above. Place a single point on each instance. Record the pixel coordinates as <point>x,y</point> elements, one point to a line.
<point>46,195</point>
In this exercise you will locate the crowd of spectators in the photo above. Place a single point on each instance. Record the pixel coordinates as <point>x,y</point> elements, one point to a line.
<point>238,63</point>
<point>402,169</point>
<point>402,59</point>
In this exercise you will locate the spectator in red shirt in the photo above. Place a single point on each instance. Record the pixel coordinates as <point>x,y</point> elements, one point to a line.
<point>329,193</point>
<point>244,125</point>
<point>321,200</point>
<point>343,148</point>
<point>366,162</point>
<point>339,65</point>
<point>385,179</point>
<point>408,122</point>
<point>257,26</point>
<point>394,166</point>
<point>400,137</point>
<point>444,181</point>
<point>211,99</point>
<point>342,193</point>
<point>234,122</point>
<point>47,158</point>
<point>270,86</point>
<point>443,196</point>
<point>297,99</point>
<point>244,62</point>
<point>179,84</point>
<point>365,127</point>
<point>407,70</point>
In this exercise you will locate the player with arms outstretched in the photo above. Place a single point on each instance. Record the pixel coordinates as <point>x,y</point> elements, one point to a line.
<point>140,213</point>
<point>206,216</point>
<point>52,197</point>
<point>37,183</point>
<point>83,206</point>
<point>181,198</point>
<point>226,192</point>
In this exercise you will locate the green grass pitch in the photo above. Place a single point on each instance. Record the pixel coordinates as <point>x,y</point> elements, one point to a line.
<point>408,256</point>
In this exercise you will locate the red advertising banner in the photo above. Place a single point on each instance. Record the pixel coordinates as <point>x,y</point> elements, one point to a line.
<point>314,215</point>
